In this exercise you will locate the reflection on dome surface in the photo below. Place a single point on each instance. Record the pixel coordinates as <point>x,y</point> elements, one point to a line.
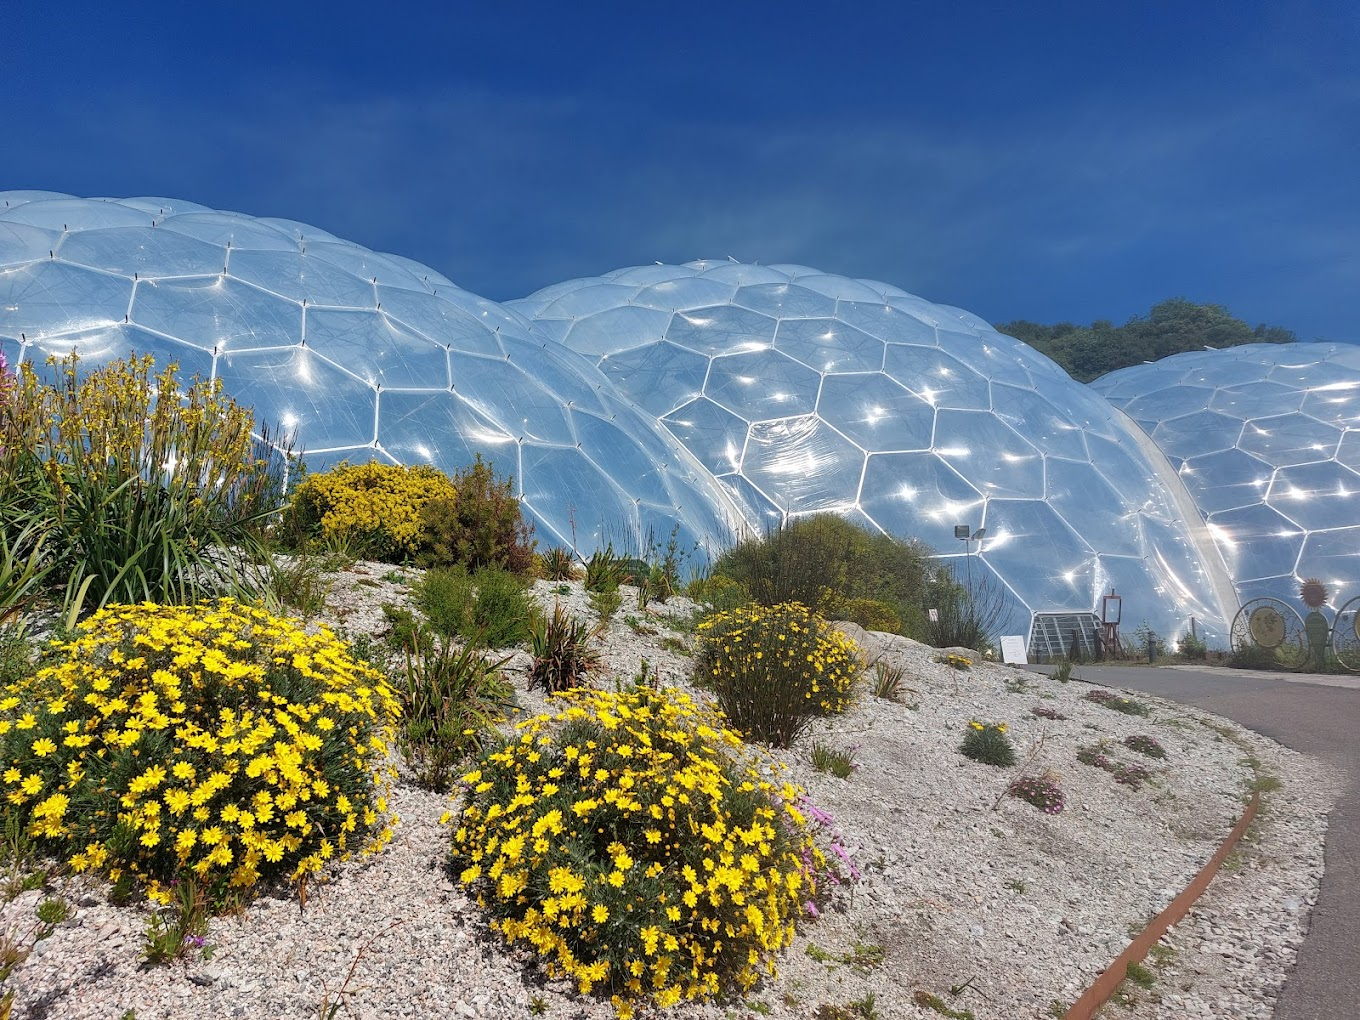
<point>806,392</point>
<point>1267,440</point>
<point>356,354</point>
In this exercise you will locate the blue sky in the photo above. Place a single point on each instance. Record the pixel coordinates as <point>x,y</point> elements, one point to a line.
<point>1049,161</point>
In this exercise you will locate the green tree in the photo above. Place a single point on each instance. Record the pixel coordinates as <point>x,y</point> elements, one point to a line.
<point>1171,327</point>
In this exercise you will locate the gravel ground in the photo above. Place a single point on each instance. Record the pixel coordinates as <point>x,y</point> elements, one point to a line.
<point>961,886</point>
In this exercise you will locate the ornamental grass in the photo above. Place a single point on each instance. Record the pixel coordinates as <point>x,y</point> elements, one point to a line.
<point>214,742</point>
<point>637,848</point>
<point>988,743</point>
<point>773,668</point>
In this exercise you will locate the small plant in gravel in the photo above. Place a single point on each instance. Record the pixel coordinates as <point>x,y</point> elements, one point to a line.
<point>1044,792</point>
<point>634,845</point>
<point>932,1001</point>
<point>1062,672</point>
<point>179,928</point>
<point>1145,745</point>
<point>214,740</point>
<point>888,681</point>
<point>1128,706</point>
<point>449,703</point>
<point>1043,712</point>
<point>490,606</point>
<point>1127,775</point>
<point>605,602</point>
<point>775,667</point>
<point>959,662</point>
<point>831,872</point>
<point>988,743</point>
<point>558,564</point>
<point>53,910</point>
<point>562,649</point>
<point>840,764</point>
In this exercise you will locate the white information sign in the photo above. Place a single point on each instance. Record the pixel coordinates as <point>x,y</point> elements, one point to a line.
<point>1013,649</point>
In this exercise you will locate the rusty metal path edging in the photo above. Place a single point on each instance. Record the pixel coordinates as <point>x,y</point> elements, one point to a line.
<point>1095,996</point>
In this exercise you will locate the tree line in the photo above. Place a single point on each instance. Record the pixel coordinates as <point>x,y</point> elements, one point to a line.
<point>1173,326</point>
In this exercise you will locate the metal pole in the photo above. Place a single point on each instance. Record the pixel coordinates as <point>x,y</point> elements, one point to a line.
<point>968,555</point>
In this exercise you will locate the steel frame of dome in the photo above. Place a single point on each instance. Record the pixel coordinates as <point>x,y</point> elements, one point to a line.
<point>1266,438</point>
<point>808,392</point>
<point>355,354</point>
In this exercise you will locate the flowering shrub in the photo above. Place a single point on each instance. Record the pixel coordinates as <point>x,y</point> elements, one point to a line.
<point>627,844</point>
<point>1041,791</point>
<point>215,740</point>
<point>988,743</point>
<point>373,508</point>
<point>774,667</point>
<point>959,662</point>
<point>826,870</point>
<point>1144,744</point>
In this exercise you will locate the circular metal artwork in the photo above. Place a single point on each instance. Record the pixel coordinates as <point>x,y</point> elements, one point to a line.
<point>1346,635</point>
<point>1275,630</point>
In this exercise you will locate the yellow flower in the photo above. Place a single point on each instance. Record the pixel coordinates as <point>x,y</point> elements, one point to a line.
<point>600,913</point>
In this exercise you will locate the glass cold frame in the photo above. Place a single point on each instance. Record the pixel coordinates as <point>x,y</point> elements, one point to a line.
<point>356,354</point>
<point>1267,440</point>
<point>804,391</point>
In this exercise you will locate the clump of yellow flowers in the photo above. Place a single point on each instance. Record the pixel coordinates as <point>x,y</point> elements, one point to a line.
<point>635,846</point>
<point>775,667</point>
<point>373,507</point>
<point>213,741</point>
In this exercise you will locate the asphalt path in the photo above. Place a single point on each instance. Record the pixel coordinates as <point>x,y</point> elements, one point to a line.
<point>1319,716</point>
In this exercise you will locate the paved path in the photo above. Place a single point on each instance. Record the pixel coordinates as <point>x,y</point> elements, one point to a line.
<point>1320,716</point>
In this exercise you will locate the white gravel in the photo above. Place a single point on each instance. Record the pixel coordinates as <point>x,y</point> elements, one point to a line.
<point>958,887</point>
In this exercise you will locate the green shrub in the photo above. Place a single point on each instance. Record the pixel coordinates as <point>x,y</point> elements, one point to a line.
<point>561,647</point>
<point>215,741</point>
<point>373,509</point>
<point>871,614</point>
<point>718,593</point>
<point>140,488</point>
<point>774,668</point>
<point>448,599</point>
<point>449,703</point>
<point>988,743</point>
<point>503,610</point>
<point>491,607</point>
<point>650,862</point>
<point>825,561</point>
<point>478,525</point>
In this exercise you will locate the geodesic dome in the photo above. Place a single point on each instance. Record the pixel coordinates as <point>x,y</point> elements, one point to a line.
<point>1266,438</point>
<point>807,392</point>
<point>354,354</point>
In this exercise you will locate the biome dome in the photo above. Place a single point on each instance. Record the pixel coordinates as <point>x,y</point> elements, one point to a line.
<point>354,354</point>
<point>808,392</point>
<point>1266,438</point>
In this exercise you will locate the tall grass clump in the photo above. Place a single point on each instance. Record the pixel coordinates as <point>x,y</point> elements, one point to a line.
<point>637,849</point>
<point>970,611</point>
<point>773,668</point>
<point>563,651</point>
<point>142,489</point>
<point>213,741</point>
<point>451,699</point>
<point>372,510</point>
<point>837,569</point>
<point>478,525</point>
